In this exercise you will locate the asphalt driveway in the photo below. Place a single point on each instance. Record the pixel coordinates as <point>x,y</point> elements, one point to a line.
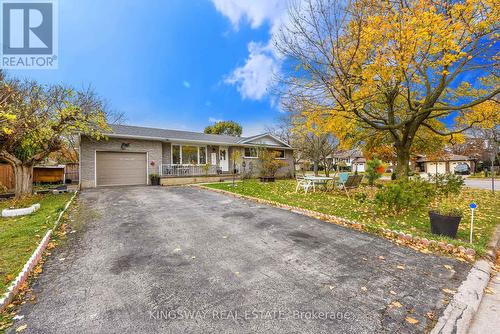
<point>186,260</point>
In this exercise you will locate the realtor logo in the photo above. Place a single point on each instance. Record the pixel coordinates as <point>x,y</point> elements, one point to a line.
<point>29,34</point>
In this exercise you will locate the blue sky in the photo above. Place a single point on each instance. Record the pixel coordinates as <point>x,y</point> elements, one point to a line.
<point>173,64</point>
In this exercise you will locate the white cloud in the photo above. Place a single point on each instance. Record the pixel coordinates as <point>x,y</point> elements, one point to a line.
<point>186,84</point>
<point>255,77</point>
<point>214,120</point>
<point>255,11</point>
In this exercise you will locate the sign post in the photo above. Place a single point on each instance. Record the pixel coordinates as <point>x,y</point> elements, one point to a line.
<point>472,206</point>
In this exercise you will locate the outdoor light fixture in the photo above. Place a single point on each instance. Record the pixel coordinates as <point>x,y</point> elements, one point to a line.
<point>125,146</point>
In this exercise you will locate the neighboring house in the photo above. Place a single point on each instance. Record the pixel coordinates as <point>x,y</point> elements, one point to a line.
<point>358,164</point>
<point>352,159</point>
<point>444,164</point>
<point>131,153</point>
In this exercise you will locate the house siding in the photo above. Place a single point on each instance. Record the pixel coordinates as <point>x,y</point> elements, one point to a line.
<point>88,147</point>
<point>167,153</point>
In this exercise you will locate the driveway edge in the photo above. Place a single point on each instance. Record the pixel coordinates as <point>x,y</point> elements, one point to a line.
<point>458,316</point>
<point>32,261</point>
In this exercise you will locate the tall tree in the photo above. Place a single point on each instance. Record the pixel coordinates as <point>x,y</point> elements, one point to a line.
<point>393,66</point>
<point>228,128</point>
<point>43,117</point>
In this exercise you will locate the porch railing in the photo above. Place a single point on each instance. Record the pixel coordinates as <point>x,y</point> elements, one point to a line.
<point>170,170</point>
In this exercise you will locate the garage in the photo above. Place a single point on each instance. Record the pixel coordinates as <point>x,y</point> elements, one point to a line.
<point>431,168</point>
<point>121,168</point>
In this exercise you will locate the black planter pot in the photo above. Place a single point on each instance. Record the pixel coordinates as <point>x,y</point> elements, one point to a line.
<point>267,179</point>
<point>155,181</point>
<point>444,225</point>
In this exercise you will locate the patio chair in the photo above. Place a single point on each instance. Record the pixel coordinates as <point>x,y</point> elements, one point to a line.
<point>342,179</point>
<point>353,182</point>
<point>303,183</point>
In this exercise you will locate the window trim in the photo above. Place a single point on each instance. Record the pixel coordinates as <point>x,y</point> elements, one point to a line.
<point>250,157</point>
<point>180,153</point>
<point>284,153</point>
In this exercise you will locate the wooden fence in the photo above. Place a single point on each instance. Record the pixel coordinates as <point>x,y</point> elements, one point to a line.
<point>40,174</point>
<point>6,176</point>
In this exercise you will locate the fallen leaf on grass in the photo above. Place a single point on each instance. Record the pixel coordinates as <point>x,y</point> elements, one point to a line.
<point>8,278</point>
<point>21,328</point>
<point>381,257</point>
<point>411,320</point>
<point>401,267</point>
<point>364,288</point>
<point>431,315</point>
<point>392,292</point>
<point>447,266</point>
<point>449,291</point>
<point>395,304</point>
<point>489,291</point>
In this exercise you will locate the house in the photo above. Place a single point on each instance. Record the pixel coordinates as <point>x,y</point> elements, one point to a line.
<point>130,154</point>
<point>444,164</point>
<point>352,159</point>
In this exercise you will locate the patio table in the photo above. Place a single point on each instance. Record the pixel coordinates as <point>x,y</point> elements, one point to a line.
<point>318,180</point>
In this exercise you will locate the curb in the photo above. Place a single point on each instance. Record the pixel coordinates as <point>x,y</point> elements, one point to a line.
<point>458,316</point>
<point>32,262</point>
<point>393,235</point>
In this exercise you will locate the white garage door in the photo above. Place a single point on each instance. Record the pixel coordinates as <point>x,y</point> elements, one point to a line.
<point>431,168</point>
<point>121,168</point>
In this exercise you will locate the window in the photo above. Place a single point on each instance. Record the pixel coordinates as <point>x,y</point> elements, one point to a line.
<point>280,154</point>
<point>203,155</point>
<point>176,154</point>
<point>190,155</point>
<point>251,152</point>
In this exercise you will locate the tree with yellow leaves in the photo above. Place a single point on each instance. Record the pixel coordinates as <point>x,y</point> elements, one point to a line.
<point>394,67</point>
<point>40,119</point>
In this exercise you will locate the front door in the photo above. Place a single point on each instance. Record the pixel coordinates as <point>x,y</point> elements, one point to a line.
<point>223,158</point>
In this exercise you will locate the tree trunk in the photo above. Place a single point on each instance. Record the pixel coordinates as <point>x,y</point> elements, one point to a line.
<point>402,166</point>
<point>315,168</point>
<point>24,179</point>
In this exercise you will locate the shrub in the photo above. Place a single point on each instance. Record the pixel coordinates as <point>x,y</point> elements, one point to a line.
<point>405,195</point>
<point>374,170</point>
<point>447,184</point>
<point>445,207</point>
<point>269,164</point>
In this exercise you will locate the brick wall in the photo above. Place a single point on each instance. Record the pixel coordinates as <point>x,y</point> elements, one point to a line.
<point>88,147</point>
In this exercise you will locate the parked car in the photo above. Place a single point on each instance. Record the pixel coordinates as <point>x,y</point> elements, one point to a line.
<point>462,169</point>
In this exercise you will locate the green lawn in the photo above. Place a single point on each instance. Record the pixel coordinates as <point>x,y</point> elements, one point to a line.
<point>19,236</point>
<point>336,203</point>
